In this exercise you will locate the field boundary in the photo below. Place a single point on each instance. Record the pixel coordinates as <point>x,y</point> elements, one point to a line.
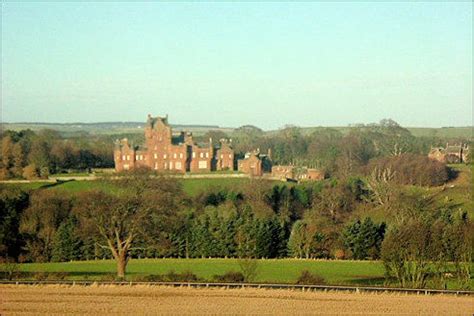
<point>355,289</point>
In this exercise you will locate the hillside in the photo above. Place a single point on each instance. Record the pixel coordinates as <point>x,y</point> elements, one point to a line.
<point>114,128</point>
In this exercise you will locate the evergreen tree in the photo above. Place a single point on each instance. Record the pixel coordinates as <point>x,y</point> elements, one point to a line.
<point>66,244</point>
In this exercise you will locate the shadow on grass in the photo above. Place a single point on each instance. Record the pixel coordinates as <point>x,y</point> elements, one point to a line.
<point>53,184</point>
<point>368,281</point>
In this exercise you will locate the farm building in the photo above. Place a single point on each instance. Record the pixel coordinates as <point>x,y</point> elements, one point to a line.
<point>458,153</point>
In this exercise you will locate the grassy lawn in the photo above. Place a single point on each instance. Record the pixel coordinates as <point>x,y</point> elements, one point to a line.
<point>269,270</point>
<point>191,186</point>
<point>334,272</point>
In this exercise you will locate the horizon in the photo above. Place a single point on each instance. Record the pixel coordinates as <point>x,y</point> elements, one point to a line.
<point>234,64</point>
<point>235,127</point>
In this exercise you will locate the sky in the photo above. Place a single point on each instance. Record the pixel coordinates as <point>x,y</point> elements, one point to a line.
<point>268,64</point>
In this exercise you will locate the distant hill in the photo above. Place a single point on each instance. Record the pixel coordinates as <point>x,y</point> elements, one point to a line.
<point>115,128</point>
<point>105,128</point>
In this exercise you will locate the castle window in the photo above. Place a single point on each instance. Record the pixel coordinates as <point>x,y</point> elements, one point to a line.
<point>202,164</point>
<point>128,157</point>
<point>156,166</point>
<point>194,155</point>
<point>222,156</point>
<point>164,156</point>
<point>207,155</point>
<point>123,157</point>
<point>155,156</point>
<point>230,156</point>
<point>181,155</point>
<point>171,165</point>
<point>174,155</point>
<point>178,165</point>
<point>166,165</point>
<point>201,155</point>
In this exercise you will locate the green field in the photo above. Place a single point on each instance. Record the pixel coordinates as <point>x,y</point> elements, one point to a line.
<point>334,272</point>
<point>269,270</point>
<point>190,186</point>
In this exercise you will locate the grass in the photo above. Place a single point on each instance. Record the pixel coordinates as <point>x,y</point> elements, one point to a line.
<point>269,270</point>
<point>334,272</point>
<point>190,186</point>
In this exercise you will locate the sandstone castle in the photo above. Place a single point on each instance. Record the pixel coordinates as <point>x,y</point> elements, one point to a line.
<point>164,151</point>
<point>179,153</point>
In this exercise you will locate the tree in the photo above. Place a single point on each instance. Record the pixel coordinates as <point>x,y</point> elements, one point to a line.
<point>6,157</point>
<point>12,204</point>
<point>364,239</point>
<point>66,243</point>
<point>41,220</point>
<point>143,209</point>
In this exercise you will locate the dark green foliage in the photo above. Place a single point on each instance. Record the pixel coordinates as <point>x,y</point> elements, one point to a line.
<point>12,204</point>
<point>364,239</point>
<point>66,245</point>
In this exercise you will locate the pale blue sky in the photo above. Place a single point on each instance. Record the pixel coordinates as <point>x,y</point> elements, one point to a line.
<point>230,64</point>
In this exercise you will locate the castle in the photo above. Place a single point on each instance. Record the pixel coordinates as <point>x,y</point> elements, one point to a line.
<point>164,151</point>
<point>179,153</point>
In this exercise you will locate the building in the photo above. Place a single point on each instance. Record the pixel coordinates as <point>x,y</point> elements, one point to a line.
<point>457,153</point>
<point>255,164</point>
<point>284,172</point>
<point>294,173</point>
<point>164,151</point>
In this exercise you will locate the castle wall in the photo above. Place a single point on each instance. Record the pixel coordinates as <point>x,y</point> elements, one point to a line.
<point>163,153</point>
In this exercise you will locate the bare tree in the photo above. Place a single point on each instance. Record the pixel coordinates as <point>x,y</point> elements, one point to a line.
<point>141,208</point>
<point>380,183</point>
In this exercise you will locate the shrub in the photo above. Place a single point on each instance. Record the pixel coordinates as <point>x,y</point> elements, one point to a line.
<point>109,277</point>
<point>249,267</point>
<point>9,269</point>
<point>40,276</point>
<point>186,276</point>
<point>30,172</point>
<point>149,278</point>
<point>229,277</point>
<point>339,254</point>
<point>307,277</point>
<point>57,275</point>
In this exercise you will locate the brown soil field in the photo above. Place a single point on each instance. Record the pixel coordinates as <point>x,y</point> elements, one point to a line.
<point>152,300</point>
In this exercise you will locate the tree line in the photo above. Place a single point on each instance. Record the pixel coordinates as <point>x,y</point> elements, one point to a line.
<point>421,239</point>
<point>27,154</point>
<point>31,155</point>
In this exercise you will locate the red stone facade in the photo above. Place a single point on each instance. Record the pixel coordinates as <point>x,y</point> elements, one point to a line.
<point>255,164</point>
<point>172,153</point>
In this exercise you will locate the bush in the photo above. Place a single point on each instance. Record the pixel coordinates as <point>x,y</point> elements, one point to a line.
<point>229,277</point>
<point>249,267</point>
<point>41,276</point>
<point>9,269</point>
<point>149,278</point>
<point>186,276</point>
<point>57,275</point>
<point>109,277</point>
<point>309,278</point>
